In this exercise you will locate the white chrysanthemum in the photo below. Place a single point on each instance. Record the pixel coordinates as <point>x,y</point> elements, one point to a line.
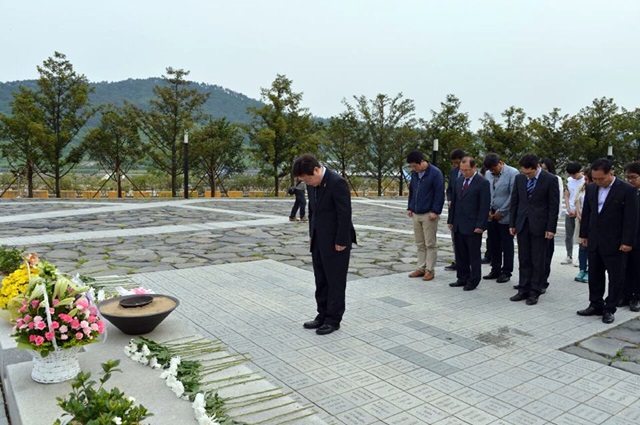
<point>198,401</point>
<point>153,362</point>
<point>177,388</point>
<point>117,421</point>
<point>145,350</point>
<point>165,374</point>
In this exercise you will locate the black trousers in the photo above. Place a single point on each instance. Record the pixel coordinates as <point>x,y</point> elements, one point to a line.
<point>532,250</point>
<point>632,281</point>
<point>301,203</point>
<point>551,247</point>
<point>501,249</point>
<point>615,266</point>
<point>468,261</point>
<point>330,270</point>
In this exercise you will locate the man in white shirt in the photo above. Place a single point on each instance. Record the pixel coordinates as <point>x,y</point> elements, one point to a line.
<point>574,182</point>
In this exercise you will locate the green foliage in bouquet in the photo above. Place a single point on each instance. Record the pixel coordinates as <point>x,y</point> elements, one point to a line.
<point>10,259</point>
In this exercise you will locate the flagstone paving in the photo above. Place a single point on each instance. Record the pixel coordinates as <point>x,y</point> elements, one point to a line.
<point>409,352</point>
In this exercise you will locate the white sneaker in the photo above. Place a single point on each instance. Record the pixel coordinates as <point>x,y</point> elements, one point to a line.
<point>567,260</point>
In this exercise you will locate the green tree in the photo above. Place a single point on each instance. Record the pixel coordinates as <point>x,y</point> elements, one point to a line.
<point>173,111</point>
<point>62,98</point>
<point>20,133</point>
<point>509,140</point>
<point>386,122</point>
<point>554,135</point>
<point>598,129</point>
<point>344,138</point>
<point>627,146</point>
<point>216,151</point>
<point>452,129</point>
<point>280,130</point>
<point>115,144</point>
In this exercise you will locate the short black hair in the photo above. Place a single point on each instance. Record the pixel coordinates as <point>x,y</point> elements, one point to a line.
<point>415,157</point>
<point>491,160</point>
<point>550,165</point>
<point>632,167</point>
<point>457,154</point>
<point>304,165</point>
<point>529,160</point>
<point>602,164</point>
<point>471,160</point>
<point>573,167</point>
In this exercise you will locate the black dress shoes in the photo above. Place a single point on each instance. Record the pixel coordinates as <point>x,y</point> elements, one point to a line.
<point>519,296</point>
<point>314,324</point>
<point>623,302</point>
<point>607,317</point>
<point>327,329</point>
<point>469,287</point>
<point>503,278</point>
<point>492,275</point>
<point>589,311</point>
<point>532,300</point>
<point>457,283</point>
<point>634,305</point>
<point>451,267</point>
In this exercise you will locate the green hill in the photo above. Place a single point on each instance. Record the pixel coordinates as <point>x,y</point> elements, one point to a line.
<point>222,102</point>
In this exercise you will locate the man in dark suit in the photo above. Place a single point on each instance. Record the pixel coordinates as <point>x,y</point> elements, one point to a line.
<point>455,157</point>
<point>332,234</point>
<point>608,230</point>
<point>631,292</point>
<point>468,218</point>
<point>535,202</point>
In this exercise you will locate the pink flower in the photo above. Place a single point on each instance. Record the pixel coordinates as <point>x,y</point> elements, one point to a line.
<point>35,303</point>
<point>65,317</point>
<point>64,329</point>
<point>39,340</point>
<point>56,301</point>
<point>79,335</point>
<point>82,303</point>
<point>49,335</point>
<point>32,338</point>
<point>37,319</point>
<point>52,310</point>
<point>64,337</point>
<point>54,325</point>
<point>22,309</point>
<point>92,319</point>
<point>40,325</point>
<point>84,324</point>
<point>75,324</point>
<point>27,318</point>
<point>141,290</point>
<point>30,325</point>
<point>87,331</point>
<point>95,327</point>
<point>100,326</point>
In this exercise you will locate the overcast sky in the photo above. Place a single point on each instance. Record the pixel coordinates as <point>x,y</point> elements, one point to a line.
<point>535,54</point>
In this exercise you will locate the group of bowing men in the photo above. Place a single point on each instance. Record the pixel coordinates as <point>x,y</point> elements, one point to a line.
<point>526,205</point>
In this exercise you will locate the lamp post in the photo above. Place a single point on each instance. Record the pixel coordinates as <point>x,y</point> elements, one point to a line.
<point>610,152</point>
<point>435,152</point>
<point>186,164</point>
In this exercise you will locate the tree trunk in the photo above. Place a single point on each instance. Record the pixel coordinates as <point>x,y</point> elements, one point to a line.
<point>29,179</point>
<point>118,181</point>
<point>212,182</point>
<point>400,184</point>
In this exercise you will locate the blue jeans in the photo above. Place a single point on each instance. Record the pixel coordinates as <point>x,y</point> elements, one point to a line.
<point>583,258</point>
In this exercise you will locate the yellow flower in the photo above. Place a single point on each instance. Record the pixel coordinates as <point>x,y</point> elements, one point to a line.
<point>15,284</point>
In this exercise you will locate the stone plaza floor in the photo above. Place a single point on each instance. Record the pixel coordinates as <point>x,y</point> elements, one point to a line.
<point>408,351</point>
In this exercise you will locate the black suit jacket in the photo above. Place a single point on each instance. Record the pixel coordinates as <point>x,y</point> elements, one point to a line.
<point>330,213</point>
<point>470,210</point>
<point>541,210</point>
<point>616,224</point>
<point>453,178</point>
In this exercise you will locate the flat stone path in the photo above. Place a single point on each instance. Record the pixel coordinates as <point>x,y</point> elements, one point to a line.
<point>409,352</point>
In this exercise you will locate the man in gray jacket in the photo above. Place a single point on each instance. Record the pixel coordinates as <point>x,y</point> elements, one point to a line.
<point>501,179</point>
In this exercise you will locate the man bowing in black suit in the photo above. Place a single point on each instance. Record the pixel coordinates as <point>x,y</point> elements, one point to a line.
<point>535,202</point>
<point>332,234</point>
<point>468,218</point>
<point>608,230</point>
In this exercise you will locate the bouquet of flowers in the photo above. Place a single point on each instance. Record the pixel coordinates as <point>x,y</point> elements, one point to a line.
<point>15,284</point>
<point>55,312</point>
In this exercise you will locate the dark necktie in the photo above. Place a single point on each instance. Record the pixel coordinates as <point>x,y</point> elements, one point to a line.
<point>531,183</point>
<point>465,185</point>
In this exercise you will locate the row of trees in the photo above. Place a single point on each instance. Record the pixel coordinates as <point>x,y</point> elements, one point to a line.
<point>370,138</point>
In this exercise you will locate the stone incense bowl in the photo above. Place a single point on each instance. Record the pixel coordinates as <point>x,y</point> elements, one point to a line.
<point>138,314</point>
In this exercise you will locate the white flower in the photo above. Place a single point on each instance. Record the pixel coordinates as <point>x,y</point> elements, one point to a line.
<point>145,350</point>
<point>131,399</point>
<point>207,420</point>
<point>101,295</point>
<point>117,421</point>
<point>165,374</point>
<point>153,362</point>
<point>198,401</point>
